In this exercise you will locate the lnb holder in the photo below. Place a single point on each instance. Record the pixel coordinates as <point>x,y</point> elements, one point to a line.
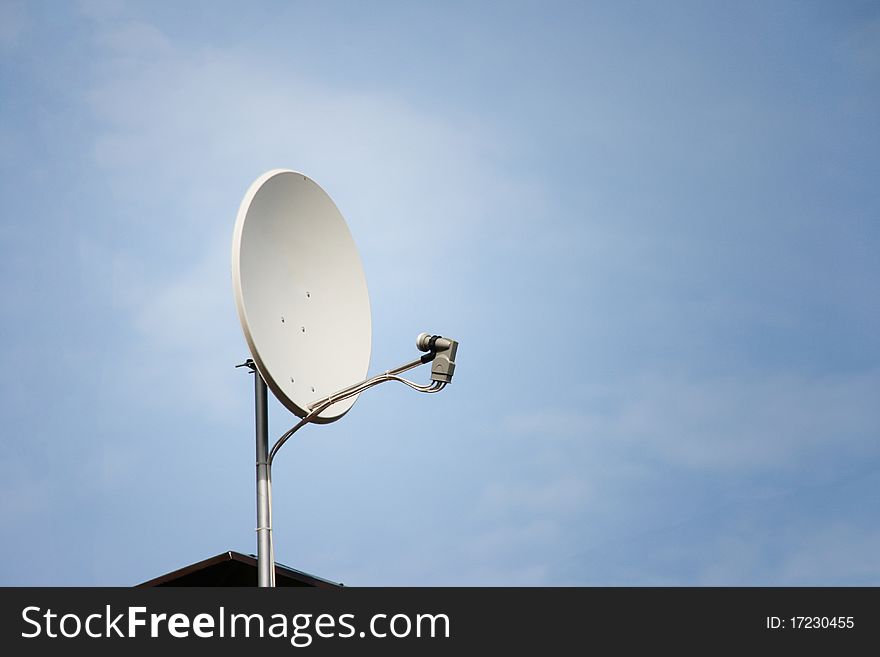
<point>441,353</point>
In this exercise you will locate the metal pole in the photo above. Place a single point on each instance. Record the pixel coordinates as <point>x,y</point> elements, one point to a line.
<point>265,553</point>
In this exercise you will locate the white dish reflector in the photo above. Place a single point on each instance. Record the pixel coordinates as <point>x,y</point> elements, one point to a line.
<point>300,292</point>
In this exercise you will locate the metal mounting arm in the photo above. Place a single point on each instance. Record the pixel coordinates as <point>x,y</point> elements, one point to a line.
<point>439,350</point>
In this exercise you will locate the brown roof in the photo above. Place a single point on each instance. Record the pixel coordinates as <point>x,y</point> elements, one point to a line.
<point>234,569</point>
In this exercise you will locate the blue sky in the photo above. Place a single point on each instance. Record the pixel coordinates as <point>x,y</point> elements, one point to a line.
<point>652,226</point>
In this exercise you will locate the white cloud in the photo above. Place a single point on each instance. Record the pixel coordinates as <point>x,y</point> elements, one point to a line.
<point>185,331</point>
<point>183,131</point>
<point>204,123</point>
<point>729,423</point>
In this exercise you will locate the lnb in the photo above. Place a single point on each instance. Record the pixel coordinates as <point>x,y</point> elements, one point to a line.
<point>428,342</point>
<point>441,351</point>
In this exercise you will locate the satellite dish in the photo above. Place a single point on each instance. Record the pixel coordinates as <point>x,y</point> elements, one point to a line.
<point>300,292</point>
<point>302,301</point>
